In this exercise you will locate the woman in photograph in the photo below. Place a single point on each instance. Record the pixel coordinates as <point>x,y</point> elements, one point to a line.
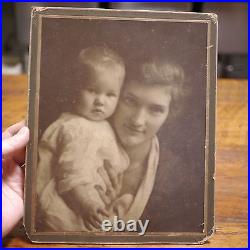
<point>160,181</point>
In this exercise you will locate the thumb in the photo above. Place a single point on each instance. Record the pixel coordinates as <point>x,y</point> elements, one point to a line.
<point>16,142</point>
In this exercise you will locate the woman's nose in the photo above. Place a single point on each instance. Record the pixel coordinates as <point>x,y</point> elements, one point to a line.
<point>139,118</point>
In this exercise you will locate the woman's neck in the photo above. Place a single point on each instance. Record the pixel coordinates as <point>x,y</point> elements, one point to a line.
<point>135,173</point>
<point>139,153</point>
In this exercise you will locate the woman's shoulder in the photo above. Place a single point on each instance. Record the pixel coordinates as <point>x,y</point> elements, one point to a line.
<point>169,160</point>
<point>175,195</point>
<point>173,172</point>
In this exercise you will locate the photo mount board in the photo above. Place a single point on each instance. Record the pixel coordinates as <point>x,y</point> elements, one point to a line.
<point>57,35</point>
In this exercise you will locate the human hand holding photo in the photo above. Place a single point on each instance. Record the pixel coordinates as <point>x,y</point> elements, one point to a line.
<point>14,141</point>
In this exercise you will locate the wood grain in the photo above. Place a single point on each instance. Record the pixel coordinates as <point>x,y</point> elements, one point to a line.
<point>231,195</point>
<point>14,99</point>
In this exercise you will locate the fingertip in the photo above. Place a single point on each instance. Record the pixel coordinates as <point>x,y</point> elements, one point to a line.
<point>16,142</point>
<point>24,131</point>
<point>104,212</point>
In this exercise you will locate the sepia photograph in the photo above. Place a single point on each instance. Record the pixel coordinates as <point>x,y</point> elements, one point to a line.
<point>122,119</point>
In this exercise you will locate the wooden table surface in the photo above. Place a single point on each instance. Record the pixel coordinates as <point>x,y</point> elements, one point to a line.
<point>231,195</point>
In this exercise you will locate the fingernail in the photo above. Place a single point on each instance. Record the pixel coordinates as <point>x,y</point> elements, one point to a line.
<point>24,130</point>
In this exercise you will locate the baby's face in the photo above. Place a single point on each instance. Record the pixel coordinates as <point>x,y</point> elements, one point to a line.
<point>99,97</point>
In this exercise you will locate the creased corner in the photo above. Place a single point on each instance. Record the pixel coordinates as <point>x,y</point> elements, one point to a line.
<point>38,10</point>
<point>214,17</point>
<point>210,235</point>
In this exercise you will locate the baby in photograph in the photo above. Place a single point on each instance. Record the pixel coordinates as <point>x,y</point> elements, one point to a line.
<point>75,146</point>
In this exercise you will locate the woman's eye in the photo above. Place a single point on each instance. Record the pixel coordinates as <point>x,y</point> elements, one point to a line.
<point>157,110</point>
<point>129,100</point>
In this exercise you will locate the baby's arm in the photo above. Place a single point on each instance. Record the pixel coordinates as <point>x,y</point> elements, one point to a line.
<point>76,159</point>
<point>86,202</point>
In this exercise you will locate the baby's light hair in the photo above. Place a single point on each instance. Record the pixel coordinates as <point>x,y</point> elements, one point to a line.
<point>95,58</point>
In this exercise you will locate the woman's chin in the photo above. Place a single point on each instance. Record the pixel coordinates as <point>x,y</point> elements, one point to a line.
<point>130,141</point>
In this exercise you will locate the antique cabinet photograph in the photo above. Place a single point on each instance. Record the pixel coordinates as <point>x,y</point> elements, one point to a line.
<point>122,120</point>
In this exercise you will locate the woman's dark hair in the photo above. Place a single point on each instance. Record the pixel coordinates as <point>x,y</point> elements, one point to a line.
<point>160,72</point>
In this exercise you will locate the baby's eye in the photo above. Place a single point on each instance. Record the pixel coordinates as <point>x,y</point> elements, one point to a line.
<point>111,94</point>
<point>157,110</point>
<point>90,90</point>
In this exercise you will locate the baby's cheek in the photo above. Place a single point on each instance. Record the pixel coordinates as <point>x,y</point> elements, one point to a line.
<point>113,104</point>
<point>117,100</point>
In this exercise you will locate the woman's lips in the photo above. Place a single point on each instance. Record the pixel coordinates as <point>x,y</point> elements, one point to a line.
<point>133,130</point>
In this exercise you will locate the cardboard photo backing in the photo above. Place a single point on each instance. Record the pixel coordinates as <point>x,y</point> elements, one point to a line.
<point>176,198</point>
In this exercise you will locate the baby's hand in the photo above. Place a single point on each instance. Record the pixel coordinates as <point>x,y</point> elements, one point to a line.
<point>92,209</point>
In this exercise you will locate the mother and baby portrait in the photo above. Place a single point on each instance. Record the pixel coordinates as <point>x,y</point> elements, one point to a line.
<point>121,127</point>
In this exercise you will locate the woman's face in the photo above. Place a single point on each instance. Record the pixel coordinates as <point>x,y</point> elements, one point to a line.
<point>141,111</point>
